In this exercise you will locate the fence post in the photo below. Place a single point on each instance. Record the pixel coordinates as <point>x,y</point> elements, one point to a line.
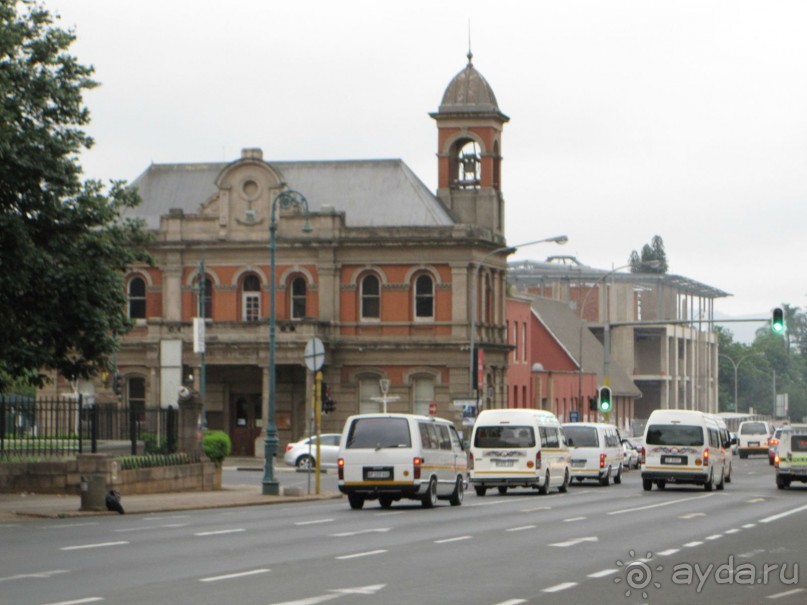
<point>81,419</point>
<point>171,429</point>
<point>2,423</point>
<point>132,428</point>
<point>94,427</point>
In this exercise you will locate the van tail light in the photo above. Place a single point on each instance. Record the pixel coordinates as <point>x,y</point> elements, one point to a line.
<point>340,466</point>
<point>538,459</point>
<point>706,457</point>
<point>643,455</point>
<point>417,463</point>
<point>471,461</point>
<point>776,461</point>
<point>602,460</point>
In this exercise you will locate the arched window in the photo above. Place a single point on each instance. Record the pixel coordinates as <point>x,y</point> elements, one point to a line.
<point>424,297</point>
<point>204,305</point>
<point>369,389</point>
<point>466,165</point>
<point>423,394</point>
<point>137,298</point>
<point>299,290</point>
<point>370,297</point>
<point>251,298</point>
<point>487,300</point>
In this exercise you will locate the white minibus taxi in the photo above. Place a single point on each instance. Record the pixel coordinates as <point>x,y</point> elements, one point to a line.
<point>753,437</point>
<point>791,457</point>
<point>596,451</point>
<point>387,457</point>
<point>518,448</point>
<point>683,446</point>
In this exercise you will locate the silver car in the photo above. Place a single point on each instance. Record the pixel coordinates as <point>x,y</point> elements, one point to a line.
<point>303,453</point>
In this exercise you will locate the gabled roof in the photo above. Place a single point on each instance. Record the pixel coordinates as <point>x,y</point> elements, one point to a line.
<point>371,193</point>
<point>564,325</point>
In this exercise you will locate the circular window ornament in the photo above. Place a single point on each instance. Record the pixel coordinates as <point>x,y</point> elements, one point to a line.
<point>251,189</point>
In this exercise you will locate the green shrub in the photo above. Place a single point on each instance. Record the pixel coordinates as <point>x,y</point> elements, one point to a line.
<point>216,445</point>
<point>151,461</point>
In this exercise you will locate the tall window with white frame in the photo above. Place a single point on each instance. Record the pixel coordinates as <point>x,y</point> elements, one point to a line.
<point>370,298</point>
<point>251,298</point>
<point>423,394</point>
<point>299,290</point>
<point>369,389</point>
<point>424,297</point>
<point>137,298</point>
<point>136,396</point>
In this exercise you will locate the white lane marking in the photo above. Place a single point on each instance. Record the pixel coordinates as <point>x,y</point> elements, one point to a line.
<point>786,594</point>
<point>314,522</point>
<point>231,576</point>
<point>362,554</point>
<point>668,552</point>
<point>575,541</point>
<point>512,602</point>
<point>98,545</point>
<point>583,491</point>
<point>660,504</point>
<point>532,510</point>
<point>692,544</point>
<point>714,537</point>
<point>603,573</point>
<point>38,574</point>
<point>572,519</point>
<point>783,515</point>
<point>220,532</point>
<point>559,587</point>
<point>346,534</point>
<point>692,515</point>
<point>335,594</point>
<point>79,601</point>
<point>447,540</point>
<point>755,500</point>
<point>731,531</point>
<point>492,503</point>
<point>128,529</point>
<point>749,525</point>
<point>175,525</point>
<point>522,528</point>
<point>64,525</point>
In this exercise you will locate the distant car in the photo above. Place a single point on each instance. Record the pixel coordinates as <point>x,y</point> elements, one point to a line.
<point>773,444</point>
<point>632,457</point>
<point>303,453</point>
<point>734,442</point>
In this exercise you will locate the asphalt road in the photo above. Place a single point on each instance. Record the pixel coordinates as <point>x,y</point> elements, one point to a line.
<point>595,544</point>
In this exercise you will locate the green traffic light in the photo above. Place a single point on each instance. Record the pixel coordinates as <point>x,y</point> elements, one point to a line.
<point>605,399</point>
<point>778,321</point>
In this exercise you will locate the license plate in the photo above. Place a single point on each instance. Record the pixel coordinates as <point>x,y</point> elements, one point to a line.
<point>578,463</point>
<point>753,444</point>
<point>384,473</point>
<point>673,460</point>
<point>504,463</point>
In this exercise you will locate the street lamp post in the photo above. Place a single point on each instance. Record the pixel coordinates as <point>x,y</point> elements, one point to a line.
<point>285,199</point>
<point>736,365</point>
<point>558,239</point>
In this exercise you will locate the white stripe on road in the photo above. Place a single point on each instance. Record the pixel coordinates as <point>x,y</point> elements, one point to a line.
<point>786,594</point>
<point>314,522</point>
<point>603,573</point>
<point>234,575</point>
<point>457,539</point>
<point>219,532</point>
<point>65,525</point>
<point>692,544</point>
<point>783,515</point>
<point>512,602</point>
<point>79,601</point>
<point>668,552</point>
<point>99,545</point>
<point>749,525</point>
<point>731,531</point>
<point>571,519</point>
<point>660,504</point>
<point>362,554</point>
<point>559,587</point>
<point>38,574</point>
<point>532,510</point>
<point>522,528</point>
<point>714,537</point>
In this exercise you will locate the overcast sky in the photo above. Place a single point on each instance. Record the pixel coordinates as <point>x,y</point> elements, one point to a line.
<point>629,119</point>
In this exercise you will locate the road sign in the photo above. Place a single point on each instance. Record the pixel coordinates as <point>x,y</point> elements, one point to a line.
<point>432,408</point>
<point>574,416</point>
<point>314,354</point>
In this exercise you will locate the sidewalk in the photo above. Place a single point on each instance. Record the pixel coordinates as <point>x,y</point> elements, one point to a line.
<point>17,507</point>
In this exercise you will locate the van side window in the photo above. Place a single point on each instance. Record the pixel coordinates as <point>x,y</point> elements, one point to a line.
<point>429,435</point>
<point>445,439</point>
<point>455,438</point>
<point>542,431</point>
<point>552,437</point>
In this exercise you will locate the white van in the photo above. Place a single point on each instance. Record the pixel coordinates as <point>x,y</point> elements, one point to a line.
<point>596,451</point>
<point>726,438</point>
<point>791,456</point>
<point>753,437</point>
<point>518,448</point>
<point>387,457</point>
<point>683,446</point>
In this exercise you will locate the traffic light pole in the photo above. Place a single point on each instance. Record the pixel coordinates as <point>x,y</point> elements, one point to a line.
<point>318,423</point>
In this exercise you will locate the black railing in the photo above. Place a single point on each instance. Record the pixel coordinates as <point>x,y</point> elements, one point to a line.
<point>65,427</point>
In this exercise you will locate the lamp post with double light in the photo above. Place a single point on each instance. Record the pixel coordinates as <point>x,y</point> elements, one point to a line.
<point>736,365</point>
<point>284,200</point>
<point>558,239</point>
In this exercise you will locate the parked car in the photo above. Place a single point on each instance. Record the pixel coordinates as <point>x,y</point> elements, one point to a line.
<point>773,443</point>
<point>303,453</point>
<point>631,455</point>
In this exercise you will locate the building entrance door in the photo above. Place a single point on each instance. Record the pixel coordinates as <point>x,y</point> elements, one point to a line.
<point>246,422</point>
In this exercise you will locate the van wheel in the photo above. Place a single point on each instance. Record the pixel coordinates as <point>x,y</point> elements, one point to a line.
<point>606,480</point>
<point>647,484</point>
<point>618,478</point>
<point>710,483</point>
<point>385,501</point>
<point>565,484</point>
<point>430,498</point>
<point>661,484</point>
<point>544,489</point>
<point>722,485</point>
<point>728,477</point>
<point>480,490</point>
<point>743,455</point>
<point>458,493</point>
<point>781,482</point>
<point>503,490</point>
<point>356,501</point>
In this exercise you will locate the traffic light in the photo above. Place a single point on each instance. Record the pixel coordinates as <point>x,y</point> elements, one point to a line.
<point>778,321</point>
<point>328,405</point>
<point>117,384</point>
<point>605,399</point>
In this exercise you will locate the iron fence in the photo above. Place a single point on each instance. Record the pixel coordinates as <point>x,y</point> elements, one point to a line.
<point>63,427</point>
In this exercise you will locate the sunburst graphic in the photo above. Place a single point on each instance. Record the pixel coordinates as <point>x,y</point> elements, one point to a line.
<point>638,573</point>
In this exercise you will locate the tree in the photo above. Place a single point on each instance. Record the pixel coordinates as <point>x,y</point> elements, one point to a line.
<point>650,252</point>
<point>63,243</point>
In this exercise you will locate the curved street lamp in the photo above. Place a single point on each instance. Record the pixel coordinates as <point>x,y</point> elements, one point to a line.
<point>736,365</point>
<point>285,199</point>
<point>558,239</point>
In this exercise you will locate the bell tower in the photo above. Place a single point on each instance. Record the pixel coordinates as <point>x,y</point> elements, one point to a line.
<point>469,131</point>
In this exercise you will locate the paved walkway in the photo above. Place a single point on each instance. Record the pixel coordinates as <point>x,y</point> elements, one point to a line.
<point>17,507</point>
